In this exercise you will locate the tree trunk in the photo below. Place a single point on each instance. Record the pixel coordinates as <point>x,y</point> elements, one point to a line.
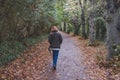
<point>87,27</point>
<point>91,26</point>
<point>83,25</point>
<point>84,35</point>
<point>91,30</point>
<point>76,24</point>
<point>112,17</point>
<point>76,30</point>
<point>103,33</point>
<point>97,32</point>
<point>64,26</point>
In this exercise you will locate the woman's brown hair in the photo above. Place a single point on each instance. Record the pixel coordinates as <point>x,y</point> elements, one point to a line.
<point>54,28</point>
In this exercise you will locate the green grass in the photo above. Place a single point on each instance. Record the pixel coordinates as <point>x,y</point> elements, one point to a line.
<point>9,50</point>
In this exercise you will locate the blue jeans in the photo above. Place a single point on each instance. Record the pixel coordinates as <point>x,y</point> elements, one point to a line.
<point>55,57</point>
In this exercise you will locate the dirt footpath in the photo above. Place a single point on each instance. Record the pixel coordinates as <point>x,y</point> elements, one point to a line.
<point>70,66</point>
<point>36,63</point>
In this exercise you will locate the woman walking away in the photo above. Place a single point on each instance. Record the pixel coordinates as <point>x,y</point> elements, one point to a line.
<point>55,40</point>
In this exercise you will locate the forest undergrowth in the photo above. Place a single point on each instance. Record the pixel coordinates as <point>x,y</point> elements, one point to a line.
<point>10,50</point>
<point>95,60</point>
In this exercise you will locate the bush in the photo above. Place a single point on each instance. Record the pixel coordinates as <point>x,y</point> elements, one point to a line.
<point>113,64</point>
<point>9,50</point>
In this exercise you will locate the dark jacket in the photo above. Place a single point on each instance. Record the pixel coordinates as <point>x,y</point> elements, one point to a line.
<point>55,39</point>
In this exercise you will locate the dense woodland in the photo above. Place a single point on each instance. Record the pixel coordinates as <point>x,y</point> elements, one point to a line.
<point>22,21</point>
<point>97,20</point>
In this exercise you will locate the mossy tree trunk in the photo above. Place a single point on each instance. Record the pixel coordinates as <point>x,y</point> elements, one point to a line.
<point>82,6</point>
<point>112,17</point>
<point>91,26</point>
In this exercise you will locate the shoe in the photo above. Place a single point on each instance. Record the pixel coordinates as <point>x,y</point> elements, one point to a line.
<point>54,67</point>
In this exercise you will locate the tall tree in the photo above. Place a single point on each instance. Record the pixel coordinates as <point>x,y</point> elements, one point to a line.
<point>23,18</point>
<point>82,6</point>
<point>76,24</point>
<point>91,25</point>
<point>112,17</point>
